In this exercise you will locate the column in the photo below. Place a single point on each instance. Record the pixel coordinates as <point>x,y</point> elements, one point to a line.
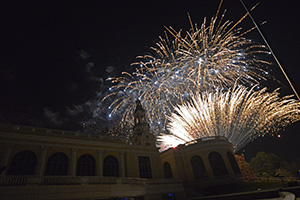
<point>99,166</point>
<point>122,164</point>
<point>227,164</point>
<point>72,171</point>
<point>6,155</point>
<point>207,165</point>
<point>42,160</point>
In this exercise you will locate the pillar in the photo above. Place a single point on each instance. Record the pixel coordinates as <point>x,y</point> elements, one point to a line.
<point>6,155</point>
<point>227,164</point>
<point>42,161</point>
<point>122,164</point>
<point>207,165</point>
<point>99,166</point>
<point>72,171</point>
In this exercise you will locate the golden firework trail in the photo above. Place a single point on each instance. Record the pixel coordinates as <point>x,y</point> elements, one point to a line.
<point>238,114</point>
<point>214,55</point>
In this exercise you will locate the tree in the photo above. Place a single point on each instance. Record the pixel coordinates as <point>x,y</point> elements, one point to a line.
<point>244,166</point>
<point>291,168</point>
<point>264,165</point>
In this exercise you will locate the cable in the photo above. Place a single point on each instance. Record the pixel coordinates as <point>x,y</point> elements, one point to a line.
<point>277,61</point>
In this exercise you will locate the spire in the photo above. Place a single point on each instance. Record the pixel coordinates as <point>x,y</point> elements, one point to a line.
<point>141,129</point>
<point>139,114</point>
<point>139,106</point>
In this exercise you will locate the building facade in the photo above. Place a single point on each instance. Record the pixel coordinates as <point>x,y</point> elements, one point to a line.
<point>202,163</point>
<point>38,163</point>
<point>52,164</point>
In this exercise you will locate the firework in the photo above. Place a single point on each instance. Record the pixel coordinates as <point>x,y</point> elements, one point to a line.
<point>202,59</point>
<point>237,114</point>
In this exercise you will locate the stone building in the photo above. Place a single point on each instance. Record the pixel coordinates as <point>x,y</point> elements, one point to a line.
<point>38,163</point>
<point>202,163</point>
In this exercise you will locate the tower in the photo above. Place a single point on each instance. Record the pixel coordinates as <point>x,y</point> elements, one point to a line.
<point>141,129</point>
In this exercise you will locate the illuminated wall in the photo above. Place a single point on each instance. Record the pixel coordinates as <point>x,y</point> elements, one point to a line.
<point>206,162</point>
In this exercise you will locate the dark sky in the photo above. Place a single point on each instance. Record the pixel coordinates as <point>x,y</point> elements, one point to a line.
<point>56,54</point>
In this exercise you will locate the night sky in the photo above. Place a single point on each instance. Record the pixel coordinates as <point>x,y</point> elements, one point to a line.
<point>56,55</point>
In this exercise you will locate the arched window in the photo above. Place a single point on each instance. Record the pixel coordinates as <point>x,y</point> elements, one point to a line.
<point>57,165</point>
<point>198,168</point>
<point>233,163</point>
<point>168,170</point>
<point>217,164</point>
<point>86,165</point>
<point>110,166</point>
<point>23,163</point>
<point>145,167</point>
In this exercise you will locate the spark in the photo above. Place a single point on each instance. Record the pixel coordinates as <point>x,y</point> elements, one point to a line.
<point>204,58</point>
<point>238,114</point>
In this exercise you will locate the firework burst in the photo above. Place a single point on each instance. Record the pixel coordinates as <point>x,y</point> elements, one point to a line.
<point>212,56</point>
<point>237,114</point>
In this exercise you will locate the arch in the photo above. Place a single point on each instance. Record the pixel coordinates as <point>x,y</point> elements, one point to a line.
<point>234,165</point>
<point>23,163</point>
<point>145,167</point>
<point>168,170</point>
<point>57,164</point>
<point>110,166</point>
<point>217,164</point>
<point>198,168</point>
<point>86,165</point>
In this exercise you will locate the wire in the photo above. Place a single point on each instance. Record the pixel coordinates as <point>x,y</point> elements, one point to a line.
<point>269,47</point>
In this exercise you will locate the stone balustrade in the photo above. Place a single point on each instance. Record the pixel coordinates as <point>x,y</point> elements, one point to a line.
<point>29,129</point>
<point>78,180</point>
